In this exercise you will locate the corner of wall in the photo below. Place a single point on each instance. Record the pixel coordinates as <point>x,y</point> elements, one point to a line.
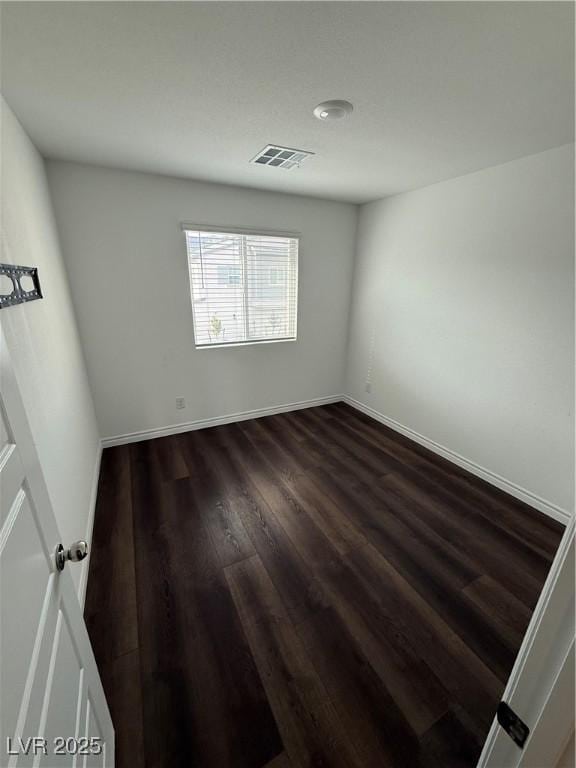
<point>344,378</point>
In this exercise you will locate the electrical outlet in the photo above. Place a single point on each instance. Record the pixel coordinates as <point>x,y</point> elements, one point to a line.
<point>180,403</point>
<point>368,386</point>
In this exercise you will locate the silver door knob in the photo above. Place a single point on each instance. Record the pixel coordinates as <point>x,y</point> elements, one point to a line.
<point>76,552</point>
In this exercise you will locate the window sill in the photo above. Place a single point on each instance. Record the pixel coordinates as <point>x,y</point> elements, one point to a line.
<point>244,343</point>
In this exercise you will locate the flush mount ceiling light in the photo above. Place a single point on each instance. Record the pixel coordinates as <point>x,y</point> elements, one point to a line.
<point>333,110</point>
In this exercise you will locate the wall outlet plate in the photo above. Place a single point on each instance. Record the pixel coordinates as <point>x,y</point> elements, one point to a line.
<point>368,386</point>
<point>180,403</point>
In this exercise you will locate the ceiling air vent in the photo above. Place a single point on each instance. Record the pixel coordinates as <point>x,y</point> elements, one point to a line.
<point>281,157</point>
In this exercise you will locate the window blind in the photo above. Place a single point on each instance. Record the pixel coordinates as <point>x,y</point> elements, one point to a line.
<point>244,287</point>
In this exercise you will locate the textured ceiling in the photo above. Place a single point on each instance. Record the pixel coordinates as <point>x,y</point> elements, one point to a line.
<point>197,89</point>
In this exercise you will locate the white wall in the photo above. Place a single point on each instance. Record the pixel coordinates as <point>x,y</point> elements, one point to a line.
<point>43,339</point>
<point>126,259</point>
<point>463,308</point>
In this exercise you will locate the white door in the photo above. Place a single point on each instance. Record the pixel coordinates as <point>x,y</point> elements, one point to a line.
<point>52,707</point>
<point>541,686</point>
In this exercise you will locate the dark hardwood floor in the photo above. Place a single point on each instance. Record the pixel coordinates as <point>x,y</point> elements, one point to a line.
<point>309,589</point>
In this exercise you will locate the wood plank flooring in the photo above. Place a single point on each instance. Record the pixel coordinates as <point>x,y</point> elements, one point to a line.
<point>308,589</point>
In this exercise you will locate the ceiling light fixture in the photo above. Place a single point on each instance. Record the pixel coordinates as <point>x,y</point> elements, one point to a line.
<point>333,110</point>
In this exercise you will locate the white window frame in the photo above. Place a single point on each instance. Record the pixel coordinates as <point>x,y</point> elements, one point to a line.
<point>255,231</point>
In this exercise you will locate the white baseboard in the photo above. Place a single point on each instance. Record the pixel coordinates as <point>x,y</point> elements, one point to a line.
<point>83,584</point>
<point>547,507</point>
<point>174,429</point>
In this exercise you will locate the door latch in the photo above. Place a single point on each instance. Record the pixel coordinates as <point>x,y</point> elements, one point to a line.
<point>514,727</point>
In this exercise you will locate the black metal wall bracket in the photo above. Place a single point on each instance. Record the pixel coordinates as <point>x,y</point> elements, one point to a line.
<point>514,727</point>
<point>18,294</point>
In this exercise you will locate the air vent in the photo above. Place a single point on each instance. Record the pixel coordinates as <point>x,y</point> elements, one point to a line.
<point>281,157</point>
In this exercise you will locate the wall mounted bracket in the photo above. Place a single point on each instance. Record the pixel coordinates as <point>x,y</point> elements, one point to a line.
<point>19,295</point>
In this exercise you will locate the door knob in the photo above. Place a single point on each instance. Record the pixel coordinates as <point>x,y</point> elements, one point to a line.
<point>76,552</point>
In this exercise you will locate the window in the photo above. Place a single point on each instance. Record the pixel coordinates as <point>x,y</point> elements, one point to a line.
<point>229,275</point>
<point>277,275</point>
<point>244,286</point>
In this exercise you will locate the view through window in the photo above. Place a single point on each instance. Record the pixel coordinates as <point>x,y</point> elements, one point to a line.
<point>244,287</point>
